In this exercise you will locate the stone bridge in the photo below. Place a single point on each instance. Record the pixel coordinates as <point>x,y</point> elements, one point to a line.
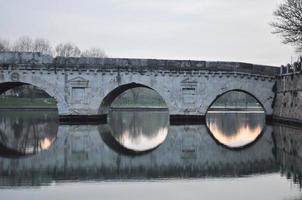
<point>87,86</point>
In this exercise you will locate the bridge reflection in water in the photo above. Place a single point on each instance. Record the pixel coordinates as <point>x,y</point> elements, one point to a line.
<point>84,152</point>
<point>81,152</point>
<point>27,132</point>
<point>236,129</point>
<point>137,130</point>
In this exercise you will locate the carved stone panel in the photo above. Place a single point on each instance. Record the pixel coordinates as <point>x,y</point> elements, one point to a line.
<point>78,82</point>
<point>189,90</point>
<point>15,76</point>
<point>78,89</point>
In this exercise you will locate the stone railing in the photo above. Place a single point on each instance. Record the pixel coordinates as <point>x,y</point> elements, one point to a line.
<point>28,60</point>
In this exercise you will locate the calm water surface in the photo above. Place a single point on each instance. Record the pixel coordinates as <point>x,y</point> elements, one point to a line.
<point>138,155</point>
<point>235,129</point>
<point>27,132</point>
<point>138,130</point>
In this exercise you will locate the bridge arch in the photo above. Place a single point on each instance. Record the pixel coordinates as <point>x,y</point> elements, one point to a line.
<point>113,94</point>
<point>5,86</point>
<point>236,90</point>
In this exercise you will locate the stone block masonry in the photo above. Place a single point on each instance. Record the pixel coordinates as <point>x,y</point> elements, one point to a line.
<point>288,100</point>
<point>87,86</point>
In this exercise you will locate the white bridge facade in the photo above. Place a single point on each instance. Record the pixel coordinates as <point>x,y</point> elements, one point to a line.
<point>87,86</point>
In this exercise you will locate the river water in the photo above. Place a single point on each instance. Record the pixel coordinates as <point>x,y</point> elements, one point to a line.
<point>139,155</point>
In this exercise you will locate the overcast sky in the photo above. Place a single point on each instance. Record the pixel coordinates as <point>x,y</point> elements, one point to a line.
<point>224,30</point>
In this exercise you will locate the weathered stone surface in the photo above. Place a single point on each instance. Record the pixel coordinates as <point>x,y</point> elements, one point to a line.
<point>81,85</point>
<point>24,58</point>
<point>288,98</point>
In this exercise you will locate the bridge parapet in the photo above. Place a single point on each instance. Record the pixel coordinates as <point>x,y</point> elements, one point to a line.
<point>33,58</point>
<point>34,61</point>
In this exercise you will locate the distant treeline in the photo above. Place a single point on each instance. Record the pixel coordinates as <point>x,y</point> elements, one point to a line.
<point>27,44</point>
<point>236,98</point>
<point>26,91</point>
<point>136,97</point>
<point>139,97</point>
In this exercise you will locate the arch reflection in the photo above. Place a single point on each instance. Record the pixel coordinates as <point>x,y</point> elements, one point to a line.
<point>27,132</point>
<point>235,119</point>
<point>136,131</point>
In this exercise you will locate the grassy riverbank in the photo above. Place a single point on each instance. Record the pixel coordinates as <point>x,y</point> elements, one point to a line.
<point>134,98</point>
<point>18,102</point>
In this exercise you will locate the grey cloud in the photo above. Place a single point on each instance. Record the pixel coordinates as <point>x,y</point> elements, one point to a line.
<point>235,30</point>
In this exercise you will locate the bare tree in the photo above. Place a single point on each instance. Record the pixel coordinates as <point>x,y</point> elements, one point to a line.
<point>94,52</point>
<point>289,22</point>
<point>4,45</point>
<point>67,50</point>
<point>43,46</point>
<point>24,43</point>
